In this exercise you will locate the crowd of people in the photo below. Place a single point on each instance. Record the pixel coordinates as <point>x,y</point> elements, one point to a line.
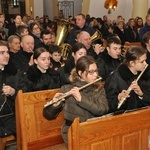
<point>31,60</point>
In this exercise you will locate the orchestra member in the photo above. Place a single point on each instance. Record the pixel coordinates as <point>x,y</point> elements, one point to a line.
<point>124,79</point>
<point>87,103</point>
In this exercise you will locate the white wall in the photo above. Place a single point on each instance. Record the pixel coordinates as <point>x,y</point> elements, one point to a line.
<point>48,8</point>
<point>124,8</point>
<point>96,8</point>
<point>38,8</point>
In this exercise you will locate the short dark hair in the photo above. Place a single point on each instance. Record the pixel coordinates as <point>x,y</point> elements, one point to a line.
<point>114,40</point>
<point>44,32</point>
<point>21,28</point>
<point>54,48</point>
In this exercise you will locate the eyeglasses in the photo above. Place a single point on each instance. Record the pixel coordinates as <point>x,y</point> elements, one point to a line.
<point>91,72</point>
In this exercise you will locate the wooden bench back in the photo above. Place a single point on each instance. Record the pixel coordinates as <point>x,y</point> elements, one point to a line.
<point>121,132</point>
<point>128,45</point>
<point>33,130</point>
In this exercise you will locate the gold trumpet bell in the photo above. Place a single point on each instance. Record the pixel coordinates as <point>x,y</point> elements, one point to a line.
<point>97,35</point>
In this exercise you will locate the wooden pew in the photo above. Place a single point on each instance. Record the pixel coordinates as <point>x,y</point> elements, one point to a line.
<point>34,132</point>
<point>129,131</point>
<point>4,140</point>
<point>127,45</point>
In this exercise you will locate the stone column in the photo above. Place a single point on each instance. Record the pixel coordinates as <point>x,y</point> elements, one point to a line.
<point>140,8</point>
<point>85,6</point>
<point>55,7</point>
<point>30,7</point>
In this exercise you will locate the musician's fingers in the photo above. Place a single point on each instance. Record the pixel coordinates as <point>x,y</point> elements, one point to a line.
<point>58,95</point>
<point>57,104</point>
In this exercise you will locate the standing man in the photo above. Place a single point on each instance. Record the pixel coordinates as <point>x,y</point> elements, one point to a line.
<point>8,93</point>
<point>80,25</point>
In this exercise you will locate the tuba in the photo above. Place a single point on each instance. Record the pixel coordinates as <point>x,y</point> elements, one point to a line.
<point>63,28</point>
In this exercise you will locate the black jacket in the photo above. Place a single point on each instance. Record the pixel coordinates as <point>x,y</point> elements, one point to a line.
<point>21,60</point>
<point>72,35</point>
<point>107,64</point>
<point>131,35</point>
<point>35,80</point>
<point>7,110</point>
<point>121,35</point>
<point>120,80</point>
<point>66,70</point>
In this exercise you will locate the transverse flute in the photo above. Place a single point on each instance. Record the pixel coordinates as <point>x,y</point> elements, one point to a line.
<point>55,100</point>
<point>129,89</point>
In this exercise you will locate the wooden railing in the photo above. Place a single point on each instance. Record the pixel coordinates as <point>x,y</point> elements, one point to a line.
<point>129,131</point>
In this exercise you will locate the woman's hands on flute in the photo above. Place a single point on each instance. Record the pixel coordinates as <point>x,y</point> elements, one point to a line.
<point>75,93</point>
<point>123,95</point>
<point>57,95</point>
<point>136,88</point>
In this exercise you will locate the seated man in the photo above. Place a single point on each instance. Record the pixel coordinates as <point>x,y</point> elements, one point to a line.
<point>111,58</point>
<point>23,59</point>
<point>8,93</point>
<point>45,39</point>
<point>85,38</point>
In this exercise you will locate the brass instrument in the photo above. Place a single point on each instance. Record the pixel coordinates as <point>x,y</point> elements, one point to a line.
<point>55,100</point>
<point>129,89</point>
<point>63,27</point>
<point>97,35</point>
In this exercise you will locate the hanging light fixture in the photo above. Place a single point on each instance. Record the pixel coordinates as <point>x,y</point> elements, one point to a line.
<point>110,5</point>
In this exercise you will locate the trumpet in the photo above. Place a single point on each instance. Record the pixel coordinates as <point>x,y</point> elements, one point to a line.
<point>55,100</point>
<point>130,89</point>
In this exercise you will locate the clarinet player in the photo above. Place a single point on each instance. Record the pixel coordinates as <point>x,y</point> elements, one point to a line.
<point>123,84</point>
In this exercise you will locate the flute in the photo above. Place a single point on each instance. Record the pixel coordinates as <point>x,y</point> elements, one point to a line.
<point>129,89</point>
<point>55,100</point>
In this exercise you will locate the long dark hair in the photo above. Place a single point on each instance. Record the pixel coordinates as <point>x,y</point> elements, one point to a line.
<point>82,65</point>
<point>77,47</point>
<point>133,53</point>
<point>38,52</point>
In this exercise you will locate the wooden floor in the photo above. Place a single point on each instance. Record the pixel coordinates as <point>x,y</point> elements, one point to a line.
<point>57,147</point>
